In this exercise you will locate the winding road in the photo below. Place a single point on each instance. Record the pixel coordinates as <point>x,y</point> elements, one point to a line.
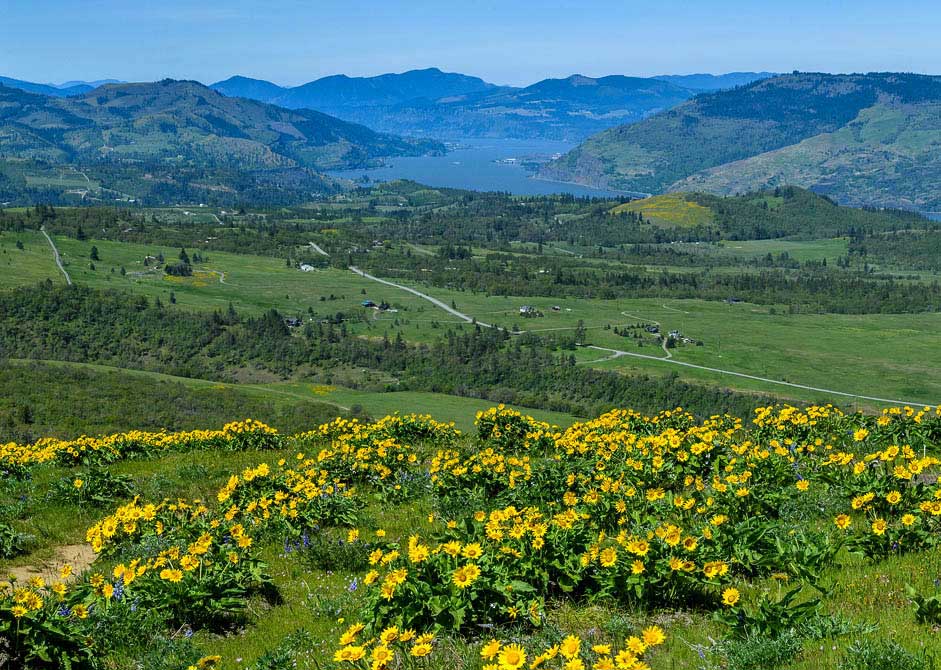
<point>618,353</point>
<point>68,279</point>
<point>434,301</point>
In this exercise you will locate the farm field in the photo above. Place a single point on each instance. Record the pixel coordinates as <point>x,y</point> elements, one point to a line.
<point>826,577</point>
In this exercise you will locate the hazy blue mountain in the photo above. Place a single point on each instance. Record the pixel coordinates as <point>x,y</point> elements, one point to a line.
<point>563,109</point>
<point>185,121</point>
<point>864,139</point>
<point>46,89</point>
<point>714,82</point>
<point>448,105</point>
<point>339,91</point>
<point>246,87</point>
<point>92,84</point>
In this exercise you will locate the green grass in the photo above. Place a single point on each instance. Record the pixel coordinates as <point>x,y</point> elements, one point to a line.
<point>892,356</point>
<point>32,263</point>
<point>882,355</point>
<point>284,395</point>
<point>800,250</point>
<point>856,589</point>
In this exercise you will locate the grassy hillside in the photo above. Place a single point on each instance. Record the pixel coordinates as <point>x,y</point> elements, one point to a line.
<point>716,129</point>
<point>174,120</point>
<point>176,141</point>
<point>887,156</point>
<point>671,210</point>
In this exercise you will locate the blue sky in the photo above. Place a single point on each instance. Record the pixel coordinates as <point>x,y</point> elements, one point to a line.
<point>507,42</point>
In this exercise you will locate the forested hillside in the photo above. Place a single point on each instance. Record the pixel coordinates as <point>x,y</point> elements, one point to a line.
<point>812,130</point>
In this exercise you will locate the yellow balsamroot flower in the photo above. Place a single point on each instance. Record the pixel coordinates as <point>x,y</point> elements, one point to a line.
<point>636,645</point>
<point>860,435</point>
<point>608,557</point>
<point>382,655</point>
<point>893,498</point>
<point>420,649</point>
<point>472,551</point>
<point>65,571</point>
<point>512,657</point>
<point>879,526</point>
<point>389,635</point>
<point>625,660</point>
<point>570,647</point>
<point>654,636</point>
<point>349,653</point>
<point>170,575</point>
<point>490,650</point>
<point>351,633</point>
<point>909,519</point>
<point>80,611</point>
<point>352,536</point>
<point>803,485</point>
<point>730,596</point>
<point>78,483</point>
<point>601,649</point>
<point>842,521</point>
<point>465,576</point>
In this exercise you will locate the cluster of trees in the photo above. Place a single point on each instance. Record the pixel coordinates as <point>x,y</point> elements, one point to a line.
<point>911,249</point>
<point>79,324</point>
<point>810,287</point>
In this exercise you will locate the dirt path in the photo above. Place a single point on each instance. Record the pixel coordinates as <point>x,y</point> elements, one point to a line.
<point>618,353</point>
<point>316,247</point>
<point>68,279</point>
<point>79,556</point>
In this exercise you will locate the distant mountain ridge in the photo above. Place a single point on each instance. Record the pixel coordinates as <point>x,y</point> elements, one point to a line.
<point>162,130</point>
<point>440,104</point>
<point>713,82</point>
<point>181,120</point>
<point>864,139</point>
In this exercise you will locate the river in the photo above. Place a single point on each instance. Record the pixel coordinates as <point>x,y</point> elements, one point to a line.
<point>481,165</point>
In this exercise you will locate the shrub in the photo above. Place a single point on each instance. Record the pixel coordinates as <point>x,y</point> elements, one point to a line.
<point>96,487</point>
<point>880,655</point>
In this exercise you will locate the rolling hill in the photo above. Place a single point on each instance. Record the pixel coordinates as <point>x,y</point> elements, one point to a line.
<point>181,122</point>
<point>863,139</point>
<point>445,105</point>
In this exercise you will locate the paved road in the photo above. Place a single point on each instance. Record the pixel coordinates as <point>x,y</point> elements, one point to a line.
<point>617,353</point>
<point>68,279</point>
<point>434,301</point>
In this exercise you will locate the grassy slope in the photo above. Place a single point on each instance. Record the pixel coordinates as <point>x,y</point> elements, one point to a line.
<point>670,211</point>
<point>887,156</point>
<point>317,600</point>
<point>280,396</point>
<point>891,356</point>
